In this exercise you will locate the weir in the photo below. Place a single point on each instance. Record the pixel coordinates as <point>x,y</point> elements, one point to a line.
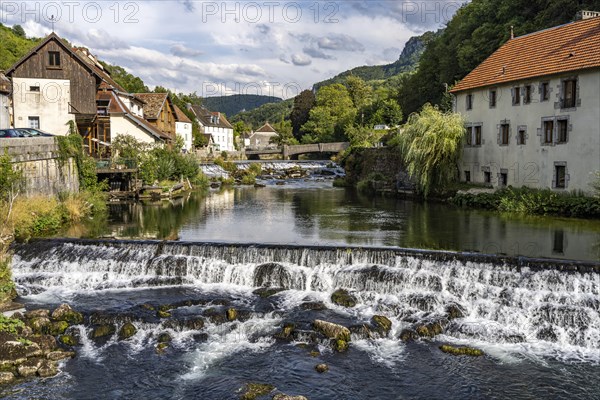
<point>503,299</point>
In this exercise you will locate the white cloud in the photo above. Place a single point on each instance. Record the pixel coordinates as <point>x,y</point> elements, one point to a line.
<point>301,60</point>
<point>181,50</point>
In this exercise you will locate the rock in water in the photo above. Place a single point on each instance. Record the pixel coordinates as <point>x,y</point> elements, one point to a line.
<point>320,368</point>
<point>341,297</point>
<point>65,313</point>
<point>382,324</point>
<point>461,351</point>
<point>232,314</point>
<point>103,330</point>
<point>68,340</point>
<point>6,377</point>
<point>127,331</point>
<point>454,311</point>
<point>331,330</point>
<point>48,368</point>
<point>282,396</point>
<point>254,390</point>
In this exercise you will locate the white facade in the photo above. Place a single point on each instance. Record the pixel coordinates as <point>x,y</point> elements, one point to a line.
<point>121,125</point>
<point>223,137</point>
<point>184,129</point>
<point>42,104</point>
<point>4,111</point>
<point>543,143</point>
<point>132,105</point>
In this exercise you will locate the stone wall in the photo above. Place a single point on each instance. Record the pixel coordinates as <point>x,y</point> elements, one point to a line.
<point>383,164</point>
<point>38,159</point>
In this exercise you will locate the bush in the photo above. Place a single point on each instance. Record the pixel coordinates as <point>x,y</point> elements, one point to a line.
<point>533,201</point>
<point>255,169</point>
<point>248,179</point>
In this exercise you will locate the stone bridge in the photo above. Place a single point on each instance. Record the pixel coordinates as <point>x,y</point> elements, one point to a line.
<point>38,158</point>
<point>292,152</point>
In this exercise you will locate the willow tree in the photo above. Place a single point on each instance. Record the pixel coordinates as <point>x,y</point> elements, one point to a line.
<point>431,144</point>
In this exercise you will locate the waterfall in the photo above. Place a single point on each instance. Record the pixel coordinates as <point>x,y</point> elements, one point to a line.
<point>504,299</point>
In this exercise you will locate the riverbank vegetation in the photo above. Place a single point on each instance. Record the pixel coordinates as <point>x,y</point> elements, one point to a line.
<point>533,202</point>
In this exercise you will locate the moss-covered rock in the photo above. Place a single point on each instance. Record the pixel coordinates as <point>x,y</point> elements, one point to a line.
<point>163,314</point>
<point>232,314</point>
<point>104,330</point>
<point>161,348</point>
<point>46,343</point>
<point>461,351</point>
<point>331,330</point>
<point>41,313</point>
<point>282,396</point>
<point>254,390</point>
<point>430,329</point>
<point>408,335</point>
<point>382,324</point>
<point>39,324</point>
<point>286,331</point>
<point>320,368</point>
<point>68,340</point>
<point>362,331</point>
<point>340,345</point>
<point>57,328</point>
<point>164,338</point>
<point>342,298</point>
<point>315,353</point>
<point>454,311</point>
<point>65,313</point>
<point>60,355</point>
<point>30,367</point>
<point>127,331</point>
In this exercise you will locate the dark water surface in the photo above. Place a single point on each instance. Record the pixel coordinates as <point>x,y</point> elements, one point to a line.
<point>314,213</point>
<point>540,330</point>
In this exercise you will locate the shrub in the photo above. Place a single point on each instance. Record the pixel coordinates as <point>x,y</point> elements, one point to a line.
<point>248,179</point>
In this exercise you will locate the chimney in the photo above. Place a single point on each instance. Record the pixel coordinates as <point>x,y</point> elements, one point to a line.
<point>585,14</point>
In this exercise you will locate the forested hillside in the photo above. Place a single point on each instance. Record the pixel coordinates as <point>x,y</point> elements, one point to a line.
<point>13,45</point>
<point>233,104</point>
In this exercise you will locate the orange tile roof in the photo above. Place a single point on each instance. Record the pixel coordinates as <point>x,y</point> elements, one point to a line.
<point>565,48</point>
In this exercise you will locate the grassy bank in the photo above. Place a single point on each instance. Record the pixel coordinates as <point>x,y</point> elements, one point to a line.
<point>533,202</point>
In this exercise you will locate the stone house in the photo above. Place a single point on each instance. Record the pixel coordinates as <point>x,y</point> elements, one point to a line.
<point>532,110</point>
<point>262,138</point>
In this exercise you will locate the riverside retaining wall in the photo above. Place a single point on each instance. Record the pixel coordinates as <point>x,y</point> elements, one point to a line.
<point>38,158</point>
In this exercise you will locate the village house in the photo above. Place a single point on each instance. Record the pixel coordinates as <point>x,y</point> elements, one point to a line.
<point>263,137</point>
<point>159,110</point>
<point>183,128</point>
<point>55,83</point>
<point>532,110</point>
<point>216,125</point>
<point>5,88</point>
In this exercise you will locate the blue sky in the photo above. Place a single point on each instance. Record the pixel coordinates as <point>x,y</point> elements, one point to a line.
<point>223,47</point>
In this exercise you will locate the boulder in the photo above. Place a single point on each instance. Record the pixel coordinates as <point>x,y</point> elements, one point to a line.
<point>46,343</point>
<point>164,338</point>
<point>42,313</point>
<point>340,345</point>
<point>286,331</point>
<point>254,390</point>
<point>215,316</point>
<point>461,351</point>
<point>408,335</point>
<point>163,314</point>
<point>320,368</point>
<point>341,297</point>
<point>104,330</point>
<point>68,340</point>
<point>232,314</point>
<point>57,328</point>
<point>47,368</point>
<point>60,355</point>
<point>331,330</point>
<point>30,367</point>
<point>39,324</point>
<point>13,353</point>
<point>454,311</point>
<point>313,306</point>
<point>161,347</point>
<point>6,378</point>
<point>65,313</point>
<point>282,396</point>
<point>362,331</point>
<point>127,331</point>
<point>382,324</point>
<point>267,292</point>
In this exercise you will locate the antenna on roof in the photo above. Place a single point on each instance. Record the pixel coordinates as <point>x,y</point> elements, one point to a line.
<point>512,32</point>
<point>52,20</point>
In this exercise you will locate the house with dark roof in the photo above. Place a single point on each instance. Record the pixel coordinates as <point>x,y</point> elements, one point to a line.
<point>56,83</point>
<point>215,124</point>
<point>263,137</point>
<point>5,89</point>
<point>159,110</point>
<point>532,110</point>
<point>183,128</point>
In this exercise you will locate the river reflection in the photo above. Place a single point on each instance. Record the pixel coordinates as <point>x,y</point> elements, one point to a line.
<point>317,214</point>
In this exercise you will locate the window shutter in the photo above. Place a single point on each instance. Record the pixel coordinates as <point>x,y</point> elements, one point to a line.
<point>498,133</point>
<point>512,92</point>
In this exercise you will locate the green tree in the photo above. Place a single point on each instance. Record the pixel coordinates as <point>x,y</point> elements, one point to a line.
<point>333,114</point>
<point>303,103</point>
<point>129,82</point>
<point>239,128</point>
<point>431,145</point>
<point>360,92</point>
<point>284,129</point>
<point>19,31</point>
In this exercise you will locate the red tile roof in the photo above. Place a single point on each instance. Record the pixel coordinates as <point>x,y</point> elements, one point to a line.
<point>571,47</point>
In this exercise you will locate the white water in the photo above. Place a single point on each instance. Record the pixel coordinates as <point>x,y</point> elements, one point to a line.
<point>551,313</point>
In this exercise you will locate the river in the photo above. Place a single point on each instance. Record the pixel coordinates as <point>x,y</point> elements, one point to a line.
<point>539,327</point>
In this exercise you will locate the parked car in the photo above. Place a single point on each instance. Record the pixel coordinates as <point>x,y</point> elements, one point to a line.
<point>10,133</point>
<point>32,132</point>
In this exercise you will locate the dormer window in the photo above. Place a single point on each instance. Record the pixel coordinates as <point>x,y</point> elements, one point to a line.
<point>54,59</point>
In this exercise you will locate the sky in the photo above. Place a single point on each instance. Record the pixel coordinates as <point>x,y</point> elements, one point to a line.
<point>275,48</point>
